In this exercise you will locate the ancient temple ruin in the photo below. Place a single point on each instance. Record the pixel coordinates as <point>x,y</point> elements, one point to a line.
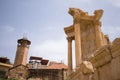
<point>96,57</point>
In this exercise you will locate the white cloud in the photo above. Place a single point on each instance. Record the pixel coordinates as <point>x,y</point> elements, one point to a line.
<point>8,29</point>
<point>50,49</point>
<point>115,2</point>
<point>75,3</point>
<point>112,31</point>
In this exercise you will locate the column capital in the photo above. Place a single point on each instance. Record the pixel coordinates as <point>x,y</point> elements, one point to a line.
<point>97,23</point>
<point>69,38</point>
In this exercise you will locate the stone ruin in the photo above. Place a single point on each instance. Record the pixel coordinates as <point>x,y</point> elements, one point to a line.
<point>96,57</point>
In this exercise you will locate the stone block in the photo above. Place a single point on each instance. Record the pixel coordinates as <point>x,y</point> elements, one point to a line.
<point>95,75</point>
<point>101,56</point>
<point>115,68</point>
<point>115,49</point>
<point>104,72</point>
<point>86,67</point>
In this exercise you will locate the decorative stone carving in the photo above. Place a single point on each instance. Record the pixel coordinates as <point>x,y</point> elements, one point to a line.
<point>98,14</point>
<point>86,67</point>
<point>76,13</point>
<point>69,31</point>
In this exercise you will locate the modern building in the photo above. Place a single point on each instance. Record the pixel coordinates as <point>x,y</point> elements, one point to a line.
<point>40,69</point>
<point>37,68</point>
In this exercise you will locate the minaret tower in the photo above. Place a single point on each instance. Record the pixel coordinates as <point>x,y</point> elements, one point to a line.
<point>22,51</point>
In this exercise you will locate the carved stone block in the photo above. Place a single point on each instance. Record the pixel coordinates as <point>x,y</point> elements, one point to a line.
<point>115,68</point>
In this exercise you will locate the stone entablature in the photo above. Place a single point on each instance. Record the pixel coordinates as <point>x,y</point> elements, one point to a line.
<point>70,32</point>
<point>79,15</point>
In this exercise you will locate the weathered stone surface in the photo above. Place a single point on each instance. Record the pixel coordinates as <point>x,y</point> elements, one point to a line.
<point>98,14</point>
<point>86,32</point>
<point>95,75</point>
<point>19,72</point>
<point>92,45</point>
<point>115,49</point>
<point>69,55</point>
<point>86,67</point>
<point>22,51</point>
<point>104,72</point>
<point>115,68</point>
<point>101,56</point>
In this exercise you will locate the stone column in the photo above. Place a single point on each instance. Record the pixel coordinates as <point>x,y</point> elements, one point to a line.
<point>99,41</point>
<point>77,44</point>
<point>76,14</point>
<point>69,55</point>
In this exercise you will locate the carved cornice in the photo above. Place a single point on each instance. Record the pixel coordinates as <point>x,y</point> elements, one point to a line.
<point>98,14</point>
<point>69,31</point>
<point>90,22</point>
<point>78,15</point>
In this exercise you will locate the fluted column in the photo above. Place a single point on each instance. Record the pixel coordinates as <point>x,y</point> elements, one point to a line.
<point>77,44</point>
<point>69,55</point>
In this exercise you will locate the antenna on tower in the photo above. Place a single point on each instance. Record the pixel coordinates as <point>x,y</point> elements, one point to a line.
<point>25,36</point>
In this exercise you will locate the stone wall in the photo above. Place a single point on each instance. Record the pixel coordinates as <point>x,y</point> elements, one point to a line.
<point>4,70</point>
<point>19,72</point>
<point>105,62</point>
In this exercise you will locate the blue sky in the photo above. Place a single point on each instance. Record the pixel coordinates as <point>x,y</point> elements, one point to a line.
<point>44,20</point>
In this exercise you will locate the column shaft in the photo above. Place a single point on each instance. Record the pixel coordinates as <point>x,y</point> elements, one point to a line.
<point>78,44</point>
<point>69,55</point>
<point>98,33</point>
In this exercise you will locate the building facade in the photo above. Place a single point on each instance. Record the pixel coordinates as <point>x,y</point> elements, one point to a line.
<point>37,68</point>
<point>4,67</point>
<point>40,69</point>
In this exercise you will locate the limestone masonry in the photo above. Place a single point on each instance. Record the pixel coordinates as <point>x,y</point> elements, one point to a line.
<point>96,57</point>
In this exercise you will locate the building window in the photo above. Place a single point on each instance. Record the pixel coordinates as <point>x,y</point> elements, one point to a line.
<point>20,74</point>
